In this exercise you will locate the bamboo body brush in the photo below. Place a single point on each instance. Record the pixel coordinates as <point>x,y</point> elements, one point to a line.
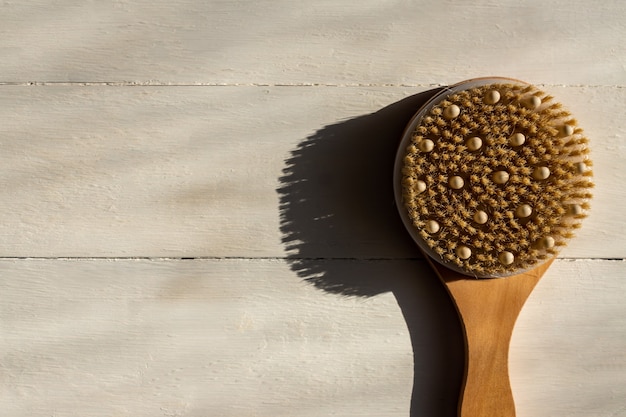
<point>491,178</point>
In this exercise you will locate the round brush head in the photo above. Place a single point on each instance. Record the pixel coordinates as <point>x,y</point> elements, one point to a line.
<point>492,176</point>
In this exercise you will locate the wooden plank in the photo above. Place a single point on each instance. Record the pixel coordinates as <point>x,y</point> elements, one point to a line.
<point>238,171</point>
<point>250,337</point>
<point>193,338</point>
<point>327,42</point>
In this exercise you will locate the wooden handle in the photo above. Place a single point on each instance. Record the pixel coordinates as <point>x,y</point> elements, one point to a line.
<point>488,309</point>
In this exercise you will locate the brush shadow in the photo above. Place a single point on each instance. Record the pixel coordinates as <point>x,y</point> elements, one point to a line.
<point>343,235</point>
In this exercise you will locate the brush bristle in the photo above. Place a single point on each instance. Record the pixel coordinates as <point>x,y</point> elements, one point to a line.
<point>495,178</point>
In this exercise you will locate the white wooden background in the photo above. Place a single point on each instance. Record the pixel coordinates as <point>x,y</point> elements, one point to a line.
<point>197,216</point>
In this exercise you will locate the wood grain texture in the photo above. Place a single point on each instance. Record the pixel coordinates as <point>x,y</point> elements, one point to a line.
<point>238,171</point>
<point>488,309</point>
<point>194,338</point>
<point>325,42</point>
<point>248,338</point>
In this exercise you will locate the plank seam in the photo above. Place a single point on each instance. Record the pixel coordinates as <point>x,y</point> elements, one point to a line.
<point>243,258</point>
<point>200,84</point>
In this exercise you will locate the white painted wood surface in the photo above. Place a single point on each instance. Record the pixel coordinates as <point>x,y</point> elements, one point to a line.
<point>198,171</point>
<point>322,42</point>
<point>229,337</point>
<point>256,139</point>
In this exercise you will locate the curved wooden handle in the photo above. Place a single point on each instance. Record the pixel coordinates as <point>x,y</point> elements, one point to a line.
<point>488,309</point>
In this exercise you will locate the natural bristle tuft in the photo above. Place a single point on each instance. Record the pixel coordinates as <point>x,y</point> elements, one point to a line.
<point>496,177</point>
